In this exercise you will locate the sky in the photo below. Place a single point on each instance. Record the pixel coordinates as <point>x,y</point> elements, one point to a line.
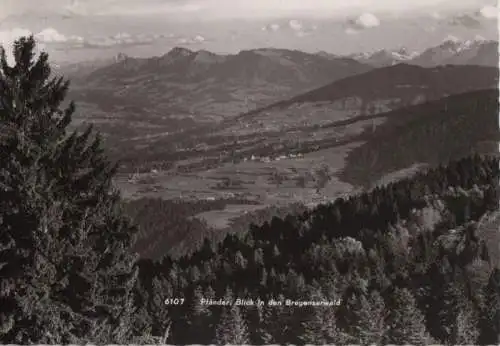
<point>76,30</point>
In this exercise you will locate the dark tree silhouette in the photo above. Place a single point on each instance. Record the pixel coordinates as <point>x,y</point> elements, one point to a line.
<point>67,274</point>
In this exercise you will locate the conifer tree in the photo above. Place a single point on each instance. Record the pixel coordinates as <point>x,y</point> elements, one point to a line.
<point>263,335</point>
<point>272,321</point>
<point>490,316</point>
<point>405,322</point>
<point>449,311</point>
<point>157,308</point>
<point>232,328</point>
<point>369,324</point>
<point>465,331</point>
<point>66,270</point>
<point>200,318</point>
<point>321,326</point>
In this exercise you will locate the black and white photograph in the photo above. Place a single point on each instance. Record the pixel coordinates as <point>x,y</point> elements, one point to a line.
<point>249,172</point>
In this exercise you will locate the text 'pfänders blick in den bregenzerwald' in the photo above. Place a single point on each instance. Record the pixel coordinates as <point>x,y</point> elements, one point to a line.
<point>269,302</point>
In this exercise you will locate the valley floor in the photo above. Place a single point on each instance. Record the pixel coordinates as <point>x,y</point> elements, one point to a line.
<point>275,183</point>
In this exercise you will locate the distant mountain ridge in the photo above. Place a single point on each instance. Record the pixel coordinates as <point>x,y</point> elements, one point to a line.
<point>478,51</point>
<point>471,52</point>
<point>383,57</point>
<point>455,52</point>
<point>213,85</point>
<point>184,63</point>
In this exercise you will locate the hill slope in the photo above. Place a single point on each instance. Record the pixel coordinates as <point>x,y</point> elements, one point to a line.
<point>431,133</point>
<point>377,91</point>
<point>404,82</point>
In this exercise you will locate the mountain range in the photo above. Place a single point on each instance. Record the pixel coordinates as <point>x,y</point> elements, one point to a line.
<point>453,52</point>
<point>383,57</point>
<point>184,82</point>
<point>153,107</point>
<point>185,87</point>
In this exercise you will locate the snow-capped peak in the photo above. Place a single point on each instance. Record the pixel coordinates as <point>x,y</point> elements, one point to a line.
<point>456,45</point>
<point>363,55</point>
<point>403,54</point>
<point>384,57</point>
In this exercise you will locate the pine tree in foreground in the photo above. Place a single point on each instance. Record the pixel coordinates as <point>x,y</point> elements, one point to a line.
<point>369,324</point>
<point>200,319</point>
<point>406,323</point>
<point>232,328</point>
<point>465,331</point>
<point>490,319</point>
<point>321,326</point>
<point>66,272</point>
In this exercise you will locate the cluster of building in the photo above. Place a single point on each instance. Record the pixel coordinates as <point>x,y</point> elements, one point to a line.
<point>269,159</point>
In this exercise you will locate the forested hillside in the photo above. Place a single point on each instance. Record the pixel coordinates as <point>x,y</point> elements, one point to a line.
<point>406,263</point>
<point>170,227</point>
<point>431,133</point>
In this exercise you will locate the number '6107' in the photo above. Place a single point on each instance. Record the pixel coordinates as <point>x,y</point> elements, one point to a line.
<point>174,301</point>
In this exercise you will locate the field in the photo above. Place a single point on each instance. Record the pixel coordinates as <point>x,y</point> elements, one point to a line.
<point>274,183</point>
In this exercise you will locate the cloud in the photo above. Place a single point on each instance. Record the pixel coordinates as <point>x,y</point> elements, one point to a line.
<point>51,35</point>
<point>271,27</point>
<point>367,20</point>
<point>191,40</point>
<point>490,12</point>
<point>52,38</point>
<point>300,29</point>
<point>275,27</point>
<point>364,21</point>
<point>199,38</point>
<point>120,39</point>
<point>295,25</point>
